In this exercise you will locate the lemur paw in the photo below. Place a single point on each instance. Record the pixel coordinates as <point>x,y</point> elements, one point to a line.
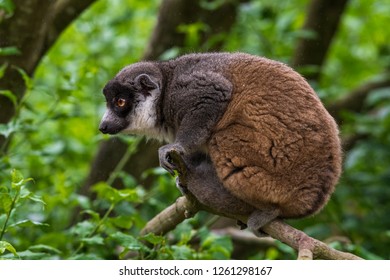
<point>164,154</point>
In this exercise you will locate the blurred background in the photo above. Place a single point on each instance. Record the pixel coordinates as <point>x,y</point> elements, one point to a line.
<point>69,192</point>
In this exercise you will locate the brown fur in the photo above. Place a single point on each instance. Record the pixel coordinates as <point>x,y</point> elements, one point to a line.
<point>276,145</point>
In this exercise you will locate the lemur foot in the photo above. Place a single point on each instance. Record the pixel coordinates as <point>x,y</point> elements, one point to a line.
<point>260,218</point>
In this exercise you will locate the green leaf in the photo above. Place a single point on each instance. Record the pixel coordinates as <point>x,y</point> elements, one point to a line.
<point>132,195</point>
<point>17,179</point>
<point>170,53</point>
<point>153,239</point>
<point>105,191</point>
<point>36,198</point>
<point>272,254</point>
<point>27,79</point>
<point>182,252</point>
<point>27,223</point>
<point>24,193</point>
<point>128,241</point>
<point>94,240</point>
<point>5,202</point>
<point>44,248</point>
<point>16,176</point>
<point>8,128</point>
<point>8,6</point>
<point>83,201</point>
<point>114,196</point>
<point>83,229</point>
<point>4,245</point>
<point>29,255</point>
<point>95,216</point>
<point>2,70</point>
<point>217,247</point>
<point>9,94</point>
<point>122,222</point>
<point>211,5</point>
<point>9,51</point>
<point>192,33</point>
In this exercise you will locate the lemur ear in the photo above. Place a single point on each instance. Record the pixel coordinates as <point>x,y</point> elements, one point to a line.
<point>146,82</point>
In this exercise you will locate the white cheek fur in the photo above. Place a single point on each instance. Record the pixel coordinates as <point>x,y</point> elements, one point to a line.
<point>143,121</point>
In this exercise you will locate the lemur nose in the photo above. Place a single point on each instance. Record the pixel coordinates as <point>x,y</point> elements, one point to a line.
<point>103,128</point>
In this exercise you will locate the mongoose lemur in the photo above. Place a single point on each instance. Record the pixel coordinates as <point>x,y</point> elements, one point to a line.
<point>255,137</point>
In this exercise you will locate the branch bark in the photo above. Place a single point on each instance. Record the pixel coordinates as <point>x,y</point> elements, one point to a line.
<point>246,237</point>
<point>25,31</point>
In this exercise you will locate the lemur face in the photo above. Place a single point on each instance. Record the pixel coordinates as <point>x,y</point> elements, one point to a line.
<point>120,102</point>
<point>131,105</point>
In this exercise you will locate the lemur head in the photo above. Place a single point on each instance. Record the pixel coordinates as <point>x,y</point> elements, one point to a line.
<point>132,96</point>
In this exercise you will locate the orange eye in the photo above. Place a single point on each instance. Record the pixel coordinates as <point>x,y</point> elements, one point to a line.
<point>121,102</point>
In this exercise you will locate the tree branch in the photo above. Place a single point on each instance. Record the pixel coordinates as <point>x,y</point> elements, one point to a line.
<point>307,247</point>
<point>185,207</point>
<point>245,237</point>
<point>170,217</point>
<point>64,12</point>
<point>302,242</point>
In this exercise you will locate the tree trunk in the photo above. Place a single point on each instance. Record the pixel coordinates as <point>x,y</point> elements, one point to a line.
<point>323,17</point>
<point>32,29</point>
<point>174,13</point>
<point>25,30</point>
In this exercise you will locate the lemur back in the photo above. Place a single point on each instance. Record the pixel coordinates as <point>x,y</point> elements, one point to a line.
<point>276,145</point>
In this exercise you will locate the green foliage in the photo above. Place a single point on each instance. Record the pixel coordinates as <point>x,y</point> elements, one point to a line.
<point>7,8</point>
<point>14,200</point>
<point>7,5</point>
<point>366,55</point>
<point>9,51</point>
<point>53,137</point>
<point>268,28</point>
<point>10,96</point>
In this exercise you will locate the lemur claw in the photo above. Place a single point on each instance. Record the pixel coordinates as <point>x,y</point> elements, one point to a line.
<point>165,158</point>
